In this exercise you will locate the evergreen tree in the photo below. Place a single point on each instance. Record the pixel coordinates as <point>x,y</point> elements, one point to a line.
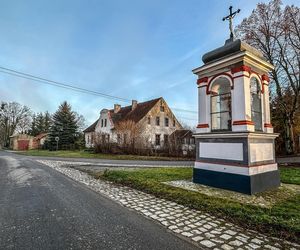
<point>47,122</point>
<point>40,123</point>
<point>33,130</point>
<point>64,126</point>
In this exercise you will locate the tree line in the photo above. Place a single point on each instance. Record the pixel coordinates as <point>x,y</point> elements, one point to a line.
<point>65,124</point>
<point>274,29</point>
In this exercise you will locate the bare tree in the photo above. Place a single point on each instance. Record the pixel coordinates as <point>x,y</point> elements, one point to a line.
<point>13,118</point>
<point>132,134</point>
<point>275,32</point>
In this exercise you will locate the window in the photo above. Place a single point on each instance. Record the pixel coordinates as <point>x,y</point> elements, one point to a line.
<point>157,140</point>
<point>167,122</point>
<point>119,138</point>
<point>88,139</point>
<point>166,139</point>
<point>103,138</point>
<point>149,120</point>
<point>125,138</point>
<point>92,138</point>
<point>221,104</point>
<point>108,137</point>
<point>157,121</point>
<point>174,123</point>
<point>192,140</point>
<point>101,122</point>
<point>162,109</point>
<point>256,113</point>
<point>105,122</point>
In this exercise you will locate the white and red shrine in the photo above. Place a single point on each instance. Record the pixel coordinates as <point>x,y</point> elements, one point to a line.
<point>234,136</point>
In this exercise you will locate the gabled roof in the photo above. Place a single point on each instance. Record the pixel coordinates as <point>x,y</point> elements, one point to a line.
<point>126,113</point>
<point>91,128</point>
<point>40,136</point>
<point>135,115</point>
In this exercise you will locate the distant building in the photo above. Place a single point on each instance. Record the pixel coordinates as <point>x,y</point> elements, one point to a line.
<point>27,142</point>
<point>39,140</point>
<point>21,142</point>
<point>154,120</point>
<point>184,139</point>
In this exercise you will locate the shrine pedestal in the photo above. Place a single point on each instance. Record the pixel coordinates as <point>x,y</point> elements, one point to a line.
<point>242,162</point>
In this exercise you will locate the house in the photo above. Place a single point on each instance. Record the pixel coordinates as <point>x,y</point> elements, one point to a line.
<point>21,142</point>
<point>27,142</point>
<point>148,123</point>
<point>184,140</point>
<point>39,141</point>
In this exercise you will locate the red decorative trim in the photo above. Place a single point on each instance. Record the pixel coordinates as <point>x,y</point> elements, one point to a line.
<point>235,164</point>
<point>211,80</point>
<point>202,86</point>
<point>203,125</point>
<point>265,78</point>
<point>268,125</point>
<point>243,122</point>
<point>241,68</point>
<point>240,76</point>
<point>201,80</point>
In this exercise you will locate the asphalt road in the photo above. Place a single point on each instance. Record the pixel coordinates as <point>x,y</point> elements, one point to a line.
<point>114,162</point>
<point>43,209</point>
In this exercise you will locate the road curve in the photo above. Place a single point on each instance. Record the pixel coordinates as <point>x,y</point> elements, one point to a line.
<point>43,209</point>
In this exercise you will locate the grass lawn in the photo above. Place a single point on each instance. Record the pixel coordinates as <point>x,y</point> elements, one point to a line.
<point>86,154</point>
<point>280,220</point>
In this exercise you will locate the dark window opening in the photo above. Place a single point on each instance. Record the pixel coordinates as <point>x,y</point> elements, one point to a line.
<point>157,121</point>
<point>157,140</point>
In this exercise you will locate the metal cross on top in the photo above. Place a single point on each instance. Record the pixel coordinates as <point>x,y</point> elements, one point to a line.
<point>230,17</point>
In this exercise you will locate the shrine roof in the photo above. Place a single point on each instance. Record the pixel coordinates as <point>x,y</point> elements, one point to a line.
<point>229,48</point>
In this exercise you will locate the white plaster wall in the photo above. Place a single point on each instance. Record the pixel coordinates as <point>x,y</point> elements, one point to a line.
<point>228,151</point>
<point>248,171</point>
<point>202,105</point>
<point>261,152</point>
<point>88,143</point>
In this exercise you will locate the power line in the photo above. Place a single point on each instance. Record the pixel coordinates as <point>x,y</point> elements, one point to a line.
<point>59,84</point>
<point>71,87</point>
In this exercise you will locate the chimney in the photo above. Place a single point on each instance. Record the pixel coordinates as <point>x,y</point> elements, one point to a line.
<point>117,108</point>
<point>134,104</point>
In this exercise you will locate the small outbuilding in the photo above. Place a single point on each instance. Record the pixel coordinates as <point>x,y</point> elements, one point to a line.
<point>21,142</point>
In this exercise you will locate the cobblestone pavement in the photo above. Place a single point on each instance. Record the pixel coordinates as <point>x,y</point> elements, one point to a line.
<point>201,228</point>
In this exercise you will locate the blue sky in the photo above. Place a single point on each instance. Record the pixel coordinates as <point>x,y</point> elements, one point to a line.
<point>132,49</point>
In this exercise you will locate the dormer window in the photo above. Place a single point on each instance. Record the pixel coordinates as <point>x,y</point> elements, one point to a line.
<point>162,109</point>
<point>149,120</point>
<point>101,122</point>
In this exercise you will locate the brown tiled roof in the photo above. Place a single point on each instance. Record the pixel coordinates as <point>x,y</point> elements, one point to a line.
<point>125,113</point>
<point>40,136</point>
<point>136,115</point>
<point>91,128</point>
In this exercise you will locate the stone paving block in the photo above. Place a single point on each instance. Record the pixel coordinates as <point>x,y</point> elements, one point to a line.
<point>225,236</point>
<point>197,238</point>
<point>207,230</point>
<point>207,243</point>
<point>187,234</point>
<point>226,247</point>
<point>235,243</point>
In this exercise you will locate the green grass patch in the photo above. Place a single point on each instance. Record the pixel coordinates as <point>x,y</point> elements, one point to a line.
<point>290,175</point>
<point>281,220</point>
<point>86,154</point>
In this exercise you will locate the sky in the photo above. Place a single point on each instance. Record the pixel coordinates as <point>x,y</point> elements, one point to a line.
<point>135,49</point>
